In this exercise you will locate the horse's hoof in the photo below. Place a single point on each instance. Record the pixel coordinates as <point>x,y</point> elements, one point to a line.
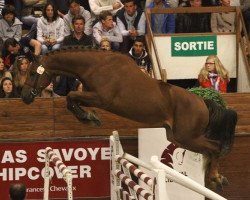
<point>94,119</point>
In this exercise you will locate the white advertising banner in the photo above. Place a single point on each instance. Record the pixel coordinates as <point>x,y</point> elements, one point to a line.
<point>154,142</point>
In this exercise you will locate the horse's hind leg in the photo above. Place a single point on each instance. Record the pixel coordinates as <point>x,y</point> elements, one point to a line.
<point>75,99</point>
<point>214,180</point>
<point>211,151</point>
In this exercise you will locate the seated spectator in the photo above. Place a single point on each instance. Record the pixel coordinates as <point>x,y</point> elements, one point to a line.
<point>50,29</point>
<point>10,26</point>
<point>25,47</point>
<point>3,71</point>
<point>7,88</point>
<point>78,37</point>
<point>29,16</point>
<point>140,55</point>
<point>162,23</point>
<point>63,84</point>
<point>76,9</point>
<point>106,28</point>
<point>214,75</point>
<point>99,6</point>
<point>105,44</point>
<point>223,22</point>
<point>245,6</point>
<point>48,92</point>
<point>193,22</point>
<point>2,3</point>
<point>131,22</point>
<point>17,191</point>
<point>61,5</point>
<point>78,86</point>
<point>20,72</point>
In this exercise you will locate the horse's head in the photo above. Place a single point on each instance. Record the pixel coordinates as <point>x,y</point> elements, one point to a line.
<point>36,81</point>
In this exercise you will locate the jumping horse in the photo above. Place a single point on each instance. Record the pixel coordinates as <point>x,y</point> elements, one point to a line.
<point>113,82</point>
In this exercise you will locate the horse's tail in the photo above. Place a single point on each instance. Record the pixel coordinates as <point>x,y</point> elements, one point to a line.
<point>221,127</point>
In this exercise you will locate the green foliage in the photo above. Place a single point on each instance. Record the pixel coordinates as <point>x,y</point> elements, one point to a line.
<point>209,93</point>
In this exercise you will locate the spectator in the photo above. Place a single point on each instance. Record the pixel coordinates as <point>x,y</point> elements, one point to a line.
<point>10,26</point>
<point>17,191</point>
<point>214,75</point>
<point>63,84</point>
<point>193,22</point>
<point>20,72</point>
<point>131,22</point>
<point>29,17</point>
<point>26,47</point>
<point>76,9</point>
<point>105,44</point>
<point>48,92</point>
<point>78,86</point>
<point>99,6</point>
<point>223,22</point>
<point>78,37</point>
<point>50,29</point>
<point>162,23</point>
<point>140,55</point>
<point>2,3</point>
<point>245,5</point>
<point>7,88</point>
<point>3,70</point>
<point>106,28</point>
<point>61,5</point>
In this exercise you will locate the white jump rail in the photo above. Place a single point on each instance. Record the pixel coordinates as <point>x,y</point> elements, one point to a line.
<point>121,166</point>
<point>67,176</point>
<point>161,173</point>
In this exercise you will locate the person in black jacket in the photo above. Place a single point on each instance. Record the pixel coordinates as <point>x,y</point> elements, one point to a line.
<point>193,22</point>
<point>140,55</point>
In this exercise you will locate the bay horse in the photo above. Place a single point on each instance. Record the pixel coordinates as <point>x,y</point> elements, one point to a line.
<point>113,82</point>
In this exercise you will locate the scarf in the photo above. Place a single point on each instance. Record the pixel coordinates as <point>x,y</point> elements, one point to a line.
<point>215,80</point>
<point>130,20</point>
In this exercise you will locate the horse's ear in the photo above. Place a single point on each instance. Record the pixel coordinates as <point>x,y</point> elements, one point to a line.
<point>36,58</point>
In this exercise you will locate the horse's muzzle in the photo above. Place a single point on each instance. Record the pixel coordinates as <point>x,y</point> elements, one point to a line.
<point>28,98</point>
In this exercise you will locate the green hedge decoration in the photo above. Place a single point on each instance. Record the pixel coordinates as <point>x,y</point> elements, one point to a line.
<point>209,93</point>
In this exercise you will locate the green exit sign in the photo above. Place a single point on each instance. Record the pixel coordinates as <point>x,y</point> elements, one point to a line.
<point>194,45</point>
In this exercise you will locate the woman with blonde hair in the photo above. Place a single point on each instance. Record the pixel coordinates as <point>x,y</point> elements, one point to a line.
<point>20,72</point>
<point>214,75</point>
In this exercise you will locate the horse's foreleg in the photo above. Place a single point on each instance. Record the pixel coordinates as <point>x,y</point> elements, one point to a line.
<point>76,99</point>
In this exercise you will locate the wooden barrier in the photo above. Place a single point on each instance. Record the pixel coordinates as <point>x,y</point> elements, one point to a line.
<point>49,119</point>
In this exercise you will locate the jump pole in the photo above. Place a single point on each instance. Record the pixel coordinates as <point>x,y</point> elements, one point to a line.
<point>67,176</point>
<point>185,181</point>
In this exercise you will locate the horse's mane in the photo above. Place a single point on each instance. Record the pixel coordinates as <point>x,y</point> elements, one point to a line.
<point>70,49</point>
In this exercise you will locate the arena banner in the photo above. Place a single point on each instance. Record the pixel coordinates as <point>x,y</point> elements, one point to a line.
<point>153,142</point>
<point>88,161</point>
<point>194,45</point>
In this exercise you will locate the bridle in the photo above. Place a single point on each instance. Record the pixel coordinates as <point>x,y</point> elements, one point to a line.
<point>39,71</point>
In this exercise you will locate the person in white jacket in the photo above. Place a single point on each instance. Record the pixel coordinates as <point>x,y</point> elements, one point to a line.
<point>98,6</point>
<point>50,29</point>
<point>10,26</point>
<point>107,28</point>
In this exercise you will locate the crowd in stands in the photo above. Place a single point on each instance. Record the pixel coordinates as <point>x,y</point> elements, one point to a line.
<point>105,24</point>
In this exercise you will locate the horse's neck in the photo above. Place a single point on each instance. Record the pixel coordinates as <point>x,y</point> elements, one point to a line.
<point>67,64</point>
